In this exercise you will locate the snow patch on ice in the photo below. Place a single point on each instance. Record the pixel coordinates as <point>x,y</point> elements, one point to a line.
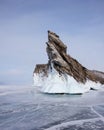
<point>68,124</point>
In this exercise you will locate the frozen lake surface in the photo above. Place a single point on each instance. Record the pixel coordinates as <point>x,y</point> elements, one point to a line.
<point>23,108</point>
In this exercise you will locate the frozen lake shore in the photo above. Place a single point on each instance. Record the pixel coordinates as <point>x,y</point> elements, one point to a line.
<point>23,108</point>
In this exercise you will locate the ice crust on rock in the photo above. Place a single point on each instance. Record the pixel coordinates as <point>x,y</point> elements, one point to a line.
<point>55,83</point>
<point>64,74</point>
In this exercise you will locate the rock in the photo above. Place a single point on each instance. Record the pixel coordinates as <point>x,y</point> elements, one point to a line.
<point>64,66</point>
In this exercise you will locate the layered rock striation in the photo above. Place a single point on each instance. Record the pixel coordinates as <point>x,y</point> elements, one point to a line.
<point>62,73</point>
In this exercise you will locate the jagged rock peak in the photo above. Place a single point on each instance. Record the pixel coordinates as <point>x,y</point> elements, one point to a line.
<point>64,65</point>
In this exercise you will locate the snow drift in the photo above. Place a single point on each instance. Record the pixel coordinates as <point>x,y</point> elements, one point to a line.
<point>62,73</point>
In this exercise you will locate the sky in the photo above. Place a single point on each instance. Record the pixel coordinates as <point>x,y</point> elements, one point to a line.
<point>23,34</point>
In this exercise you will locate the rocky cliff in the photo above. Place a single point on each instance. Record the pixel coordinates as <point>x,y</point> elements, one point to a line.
<point>64,71</point>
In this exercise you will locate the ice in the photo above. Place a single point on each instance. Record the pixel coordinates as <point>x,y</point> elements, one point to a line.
<point>25,108</point>
<point>55,83</point>
<point>89,124</point>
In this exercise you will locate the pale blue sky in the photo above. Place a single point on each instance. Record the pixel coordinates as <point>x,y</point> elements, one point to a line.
<point>23,33</point>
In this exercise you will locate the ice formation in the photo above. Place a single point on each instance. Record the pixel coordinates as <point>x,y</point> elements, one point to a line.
<point>62,73</point>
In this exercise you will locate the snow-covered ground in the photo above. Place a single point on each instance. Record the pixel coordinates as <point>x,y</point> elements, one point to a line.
<point>24,108</point>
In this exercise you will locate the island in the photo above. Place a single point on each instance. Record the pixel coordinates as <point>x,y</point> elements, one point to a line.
<point>62,73</point>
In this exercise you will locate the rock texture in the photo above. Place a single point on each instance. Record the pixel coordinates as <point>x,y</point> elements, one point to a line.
<point>64,63</point>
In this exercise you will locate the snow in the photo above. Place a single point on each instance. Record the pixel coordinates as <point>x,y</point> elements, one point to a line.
<point>55,83</point>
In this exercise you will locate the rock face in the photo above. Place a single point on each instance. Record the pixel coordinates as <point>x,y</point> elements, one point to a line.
<point>62,73</point>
